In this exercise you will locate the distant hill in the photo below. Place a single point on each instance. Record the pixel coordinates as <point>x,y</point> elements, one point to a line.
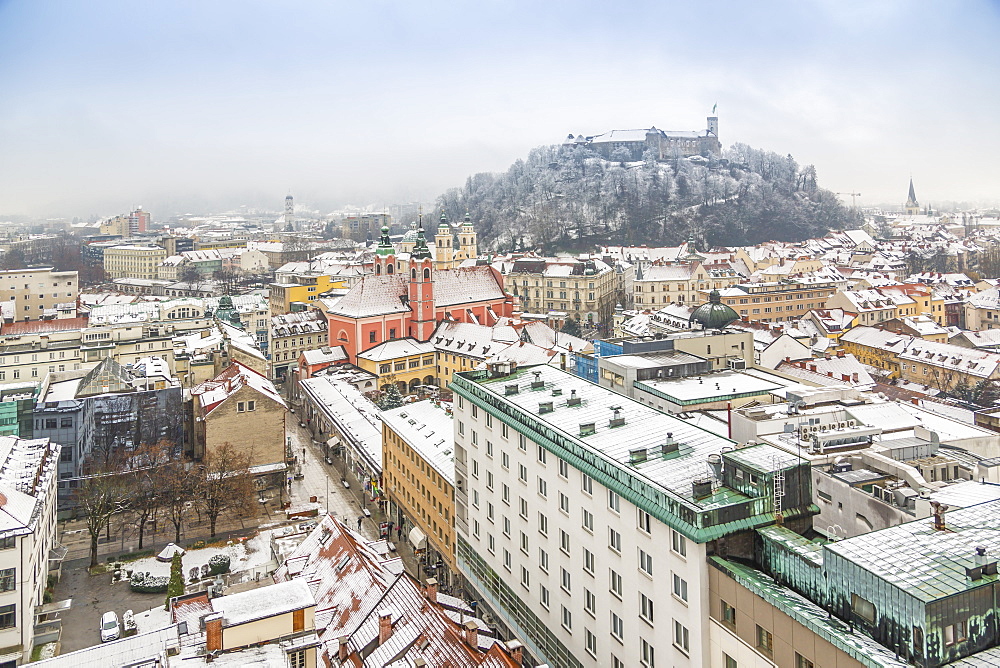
<point>569,198</point>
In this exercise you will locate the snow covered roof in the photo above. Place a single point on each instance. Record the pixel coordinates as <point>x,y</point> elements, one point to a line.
<point>26,469</point>
<point>354,583</point>
<point>353,414</point>
<point>395,349</point>
<point>236,376</point>
<point>429,430</point>
<point>277,599</point>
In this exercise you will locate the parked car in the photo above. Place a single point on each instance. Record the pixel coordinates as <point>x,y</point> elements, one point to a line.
<point>109,627</point>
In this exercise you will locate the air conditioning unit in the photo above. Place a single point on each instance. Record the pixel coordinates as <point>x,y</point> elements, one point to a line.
<point>841,425</point>
<point>822,427</point>
<point>851,423</point>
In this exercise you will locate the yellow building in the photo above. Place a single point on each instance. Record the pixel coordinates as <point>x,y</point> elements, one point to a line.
<point>32,291</point>
<point>405,362</point>
<point>302,288</point>
<point>655,286</point>
<point>776,301</point>
<point>418,476</point>
<point>875,347</point>
<point>133,261</point>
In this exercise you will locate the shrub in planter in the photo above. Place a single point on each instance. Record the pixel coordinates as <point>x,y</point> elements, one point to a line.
<point>218,564</point>
<point>144,584</point>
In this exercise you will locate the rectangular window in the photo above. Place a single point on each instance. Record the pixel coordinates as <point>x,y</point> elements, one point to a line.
<point>8,617</point>
<point>563,541</point>
<point>543,596</point>
<point>489,511</point>
<point>7,543</point>
<point>524,542</point>
<point>504,459</point>
<point>588,561</point>
<point>505,493</point>
<point>682,638</point>
<point>7,579</point>
<point>800,662</point>
<point>680,587</point>
<point>506,559</point>
<point>588,484</point>
<point>523,510</point>
<point>543,560</point>
<point>590,602</point>
<point>617,627</point>
<point>616,584</point>
<point>588,520</point>
<point>678,543</point>
<point>646,608</point>
<point>506,527</point>
<point>728,614</point>
<point>564,580</point>
<point>541,455</point>
<point>543,487</point>
<point>614,540</point>
<point>563,503</point>
<point>567,619</point>
<point>543,524</point>
<point>646,652</point>
<point>614,501</point>
<point>765,641</point>
<point>591,643</point>
<point>863,608</point>
<point>241,407</point>
<point>645,523</point>
<point>563,469</point>
<point>522,473</point>
<point>525,578</point>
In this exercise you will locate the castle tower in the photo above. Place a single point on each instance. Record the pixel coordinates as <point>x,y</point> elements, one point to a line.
<point>289,213</point>
<point>912,207</point>
<point>442,244</point>
<point>713,126</point>
<point>421,290</point>
<point>468,243</point>
<point>385,255</point>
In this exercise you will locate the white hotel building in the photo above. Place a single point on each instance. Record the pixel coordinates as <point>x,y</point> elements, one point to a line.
<point>585,518</point>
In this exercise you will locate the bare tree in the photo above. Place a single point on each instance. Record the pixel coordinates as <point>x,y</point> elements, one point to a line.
<point>101,495</point>
<point>178,484</point>
<point>228,280</point>
<point>146,494</point>
<point>226,484</point>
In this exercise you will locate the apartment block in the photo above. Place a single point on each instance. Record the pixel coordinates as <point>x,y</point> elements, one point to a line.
<point>585,518</point>
<point>133,261</point>
<point>34,292</point>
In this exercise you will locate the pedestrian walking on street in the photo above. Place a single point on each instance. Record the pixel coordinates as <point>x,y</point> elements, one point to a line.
<point>399,533</point>
<point>360,519</point>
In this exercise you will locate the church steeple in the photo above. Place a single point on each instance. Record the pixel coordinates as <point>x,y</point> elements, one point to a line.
<point>384,245</point>
<point>912,207</point>
<point>421,251</point>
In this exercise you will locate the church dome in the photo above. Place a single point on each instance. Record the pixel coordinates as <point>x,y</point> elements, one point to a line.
<point>714,314</point>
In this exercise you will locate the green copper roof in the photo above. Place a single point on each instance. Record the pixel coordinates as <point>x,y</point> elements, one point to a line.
<point>421,251</point>
<point>714,314</point>
<point>384,245</point>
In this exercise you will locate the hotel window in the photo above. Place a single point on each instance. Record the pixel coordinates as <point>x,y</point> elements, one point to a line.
<point>541,454</point>
<point>728,614</point>
<point>644,521</point>
<point>591,643</point>
<point>567,619</point>
<point>588,484</point>
<point>543,560</point>
<point>680,587</point>
<point>524,543</point>
<point>543,524</point>
<point>617,626</point>
<point>678,543</point>
<point>765,641</point>
<point>544,596</point>
<point>525,578</point>
<point>523,507</point>
<point>543,487</point>
<point>588,561</point>
<point>522,473</point>
<point>8,616</point>
<point>563,469</point>
<point>7,579</point>
<point>800,661</point>
<point>614,540</point>
<point>616,584</point>
<point>646,650</point>
<point>563,541</point>
<point>588,520</point>
<point>728,661</point>
<point>563,503</point>
<point>565,581</point>
<point>506,559</point>
<point>614,501</point>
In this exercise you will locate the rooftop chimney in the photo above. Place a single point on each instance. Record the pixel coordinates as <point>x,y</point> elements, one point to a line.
<point>342,648</point>
<point>516,650</point>
<point>213,632</point>
<point>939,511</point>
<point>431,592</point>
<point>384,626</point>
<point>472,633</point>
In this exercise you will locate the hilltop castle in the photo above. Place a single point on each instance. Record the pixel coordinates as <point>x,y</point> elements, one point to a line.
<point>665,144</point>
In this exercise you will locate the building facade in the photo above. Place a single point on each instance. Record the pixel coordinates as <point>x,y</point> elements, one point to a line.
<point>585,519</point>
<point>35,291</point>
<point>133,261</point>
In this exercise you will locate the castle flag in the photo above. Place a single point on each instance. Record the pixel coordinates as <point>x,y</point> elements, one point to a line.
<point>713,108</point>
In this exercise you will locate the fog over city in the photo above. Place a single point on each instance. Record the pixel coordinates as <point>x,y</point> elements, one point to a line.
<point>194,106</point>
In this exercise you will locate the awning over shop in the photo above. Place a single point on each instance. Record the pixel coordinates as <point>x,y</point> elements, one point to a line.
<point>417,539</point>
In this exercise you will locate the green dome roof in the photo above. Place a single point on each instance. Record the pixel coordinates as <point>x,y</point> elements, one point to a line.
<point>714,314</point>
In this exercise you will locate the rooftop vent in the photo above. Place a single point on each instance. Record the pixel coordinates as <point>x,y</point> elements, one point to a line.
<point>617,420</point>
<point>537,383</point>
<point>636,455</point>
<point>557,393</point>
<point>573,399</point>
<point>509,390</point>
<point>670,446</point>
<point>588,428</point>
<point>545,407</point>
<point>701,488</point>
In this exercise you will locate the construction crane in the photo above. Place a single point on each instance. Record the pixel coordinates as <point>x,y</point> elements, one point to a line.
<point>854,204</point>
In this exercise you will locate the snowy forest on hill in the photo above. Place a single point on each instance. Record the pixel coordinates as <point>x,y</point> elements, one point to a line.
<point>569,198</point>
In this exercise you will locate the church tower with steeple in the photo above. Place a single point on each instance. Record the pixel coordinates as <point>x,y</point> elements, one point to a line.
<point>421,290</point>
<point>912,207</point>
<point>385,255</point>
<point>467,242</point>
<point>443,252</point>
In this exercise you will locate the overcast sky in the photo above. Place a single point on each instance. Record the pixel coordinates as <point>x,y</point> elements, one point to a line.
<point>210,105</point>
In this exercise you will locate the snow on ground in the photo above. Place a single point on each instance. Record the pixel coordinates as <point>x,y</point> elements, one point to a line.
<point>254,553</point>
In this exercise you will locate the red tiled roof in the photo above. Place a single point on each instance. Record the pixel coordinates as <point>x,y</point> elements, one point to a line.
<point>43,326</point>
